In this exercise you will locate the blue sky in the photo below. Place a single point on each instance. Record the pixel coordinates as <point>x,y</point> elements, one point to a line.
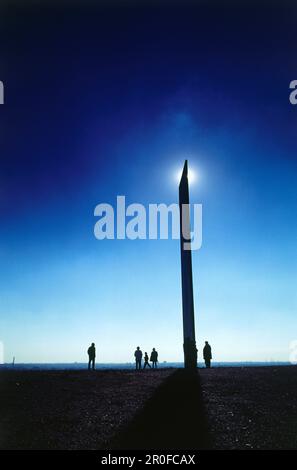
<point>105,102</point>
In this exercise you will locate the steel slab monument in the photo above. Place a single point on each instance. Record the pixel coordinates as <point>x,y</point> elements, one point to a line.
<point>190,350</point>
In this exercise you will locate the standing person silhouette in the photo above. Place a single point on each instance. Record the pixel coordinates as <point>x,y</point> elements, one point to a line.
<point>207,356</point>
<point>154,358</point>
<point>92,355</point>
<point>138,357</point>
<point>146,361</point>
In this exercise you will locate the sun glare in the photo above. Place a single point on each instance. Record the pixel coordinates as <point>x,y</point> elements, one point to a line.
<point>192,175</point>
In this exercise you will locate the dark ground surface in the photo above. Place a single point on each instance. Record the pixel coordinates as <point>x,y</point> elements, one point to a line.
<point>70,409</point>
<point>251,407</point>
<point>223,408</point>
<point>173,418</point>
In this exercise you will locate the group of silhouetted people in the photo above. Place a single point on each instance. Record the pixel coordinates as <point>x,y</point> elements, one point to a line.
<point>207,356</point>
<point>138,359</point>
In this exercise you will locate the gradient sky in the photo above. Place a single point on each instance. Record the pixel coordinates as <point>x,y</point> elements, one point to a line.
<point>106,101</point>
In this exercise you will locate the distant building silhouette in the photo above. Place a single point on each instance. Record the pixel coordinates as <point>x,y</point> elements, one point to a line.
<point>154,358</point>
<point>138,358</point>
<point>146,361</point>
<point>92,356</point>
<point>207,356</point>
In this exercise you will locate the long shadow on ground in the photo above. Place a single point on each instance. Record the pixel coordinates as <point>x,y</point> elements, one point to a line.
<point>173,418</point>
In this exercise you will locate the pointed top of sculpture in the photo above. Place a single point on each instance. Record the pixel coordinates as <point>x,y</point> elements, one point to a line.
<point>184,175</point>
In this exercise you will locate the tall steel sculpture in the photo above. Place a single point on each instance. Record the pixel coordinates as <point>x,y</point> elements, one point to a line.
<point>190,350</point>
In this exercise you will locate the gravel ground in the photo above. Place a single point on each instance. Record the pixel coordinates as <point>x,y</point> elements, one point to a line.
<point>251,407</point>
<point>246,408</point>
<point>70,409</point>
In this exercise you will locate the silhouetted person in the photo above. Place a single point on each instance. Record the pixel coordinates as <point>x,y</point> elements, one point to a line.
<point>154,358</point>
<point>92,355</point>
<point>138,357</point>
<point>146,361</point>
<point>207,354</point>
